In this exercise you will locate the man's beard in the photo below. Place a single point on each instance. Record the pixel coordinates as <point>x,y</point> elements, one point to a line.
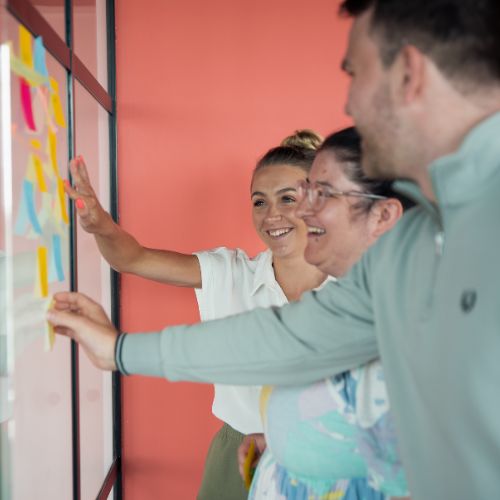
<point>379,139</point>
<point>374,162</point>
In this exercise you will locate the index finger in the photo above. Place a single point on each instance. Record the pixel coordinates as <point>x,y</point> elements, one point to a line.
<point>82,169</point>
<point>80,176</point>
<point>76,302</point>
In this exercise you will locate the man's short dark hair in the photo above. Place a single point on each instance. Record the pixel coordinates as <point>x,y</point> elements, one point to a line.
<point>462,37</point>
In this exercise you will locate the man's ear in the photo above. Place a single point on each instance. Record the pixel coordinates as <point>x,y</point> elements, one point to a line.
<point>384,215</point>
<point>411,74</point>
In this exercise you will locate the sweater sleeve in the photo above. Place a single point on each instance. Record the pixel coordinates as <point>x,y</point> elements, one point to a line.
<point>327,332</point>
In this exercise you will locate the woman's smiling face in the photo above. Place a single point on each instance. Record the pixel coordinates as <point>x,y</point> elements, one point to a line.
<point>274,201</point>
<point>339,233</point>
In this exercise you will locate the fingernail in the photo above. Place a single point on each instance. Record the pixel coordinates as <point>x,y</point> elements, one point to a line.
<point>80,203</point>
<point>66,183</point>
<point>50,316</point>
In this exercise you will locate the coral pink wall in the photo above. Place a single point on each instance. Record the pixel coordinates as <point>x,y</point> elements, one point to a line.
<point>204,88</point>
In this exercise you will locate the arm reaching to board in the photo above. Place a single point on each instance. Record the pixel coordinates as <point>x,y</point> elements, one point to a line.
<point>122,251</point>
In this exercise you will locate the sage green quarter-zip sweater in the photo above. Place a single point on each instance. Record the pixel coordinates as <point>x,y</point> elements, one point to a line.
<point>425,298</point>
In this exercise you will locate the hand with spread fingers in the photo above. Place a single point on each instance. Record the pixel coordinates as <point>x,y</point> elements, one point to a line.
<point>93,218</point>
<point>80,318</point>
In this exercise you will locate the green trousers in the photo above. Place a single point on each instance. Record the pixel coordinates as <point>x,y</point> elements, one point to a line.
<point>221,479</point>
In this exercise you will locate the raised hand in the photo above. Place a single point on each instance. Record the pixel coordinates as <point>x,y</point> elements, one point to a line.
<point>77,316</point>
<point>93,218</point>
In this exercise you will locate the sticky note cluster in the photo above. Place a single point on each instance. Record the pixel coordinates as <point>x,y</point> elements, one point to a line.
<point>41,213</point>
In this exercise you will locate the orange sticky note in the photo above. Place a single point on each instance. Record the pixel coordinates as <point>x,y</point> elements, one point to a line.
<point>43,280</point>
<point>62,201</point>
<point>52,146</point>
<point>42,186</point>
<point>25,46</point>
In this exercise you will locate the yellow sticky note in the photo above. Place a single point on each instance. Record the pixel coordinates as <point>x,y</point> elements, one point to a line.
<point>47,169</point>
<point>55,102</point>
<point>50,335</point>
<point>57,110</point>
<point>36,144</point>
<point>247,464</point>
<point>25,46</point>
<point>43,275</point>
<point>54,85</point>
<point>19,68</point>
<point>52,146</point>
<point>62,201</point>
<point>42,186</point>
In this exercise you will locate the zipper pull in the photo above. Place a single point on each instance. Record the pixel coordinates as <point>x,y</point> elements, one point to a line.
<point>439,242</point>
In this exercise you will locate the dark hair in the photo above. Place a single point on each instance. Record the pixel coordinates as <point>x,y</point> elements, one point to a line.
<point>461,36</point>
<point>298,150</point>
<point>345,145</point>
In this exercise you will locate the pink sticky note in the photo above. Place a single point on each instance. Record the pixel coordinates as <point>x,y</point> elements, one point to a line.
<point>26,103</point>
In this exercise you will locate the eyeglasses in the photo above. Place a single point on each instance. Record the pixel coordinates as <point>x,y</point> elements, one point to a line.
<point>317,194</point>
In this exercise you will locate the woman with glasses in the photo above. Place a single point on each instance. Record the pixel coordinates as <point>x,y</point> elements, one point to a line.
<point>225,281</point>
<point>331,440</point>
<point>334,439</point>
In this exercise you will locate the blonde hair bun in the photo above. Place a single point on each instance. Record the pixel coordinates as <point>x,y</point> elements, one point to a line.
<point>303,139</point>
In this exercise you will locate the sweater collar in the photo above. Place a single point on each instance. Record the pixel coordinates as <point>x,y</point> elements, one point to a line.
<point>463,175</point>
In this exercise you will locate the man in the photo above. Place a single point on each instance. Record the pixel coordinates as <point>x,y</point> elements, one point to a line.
<point>425,95</point>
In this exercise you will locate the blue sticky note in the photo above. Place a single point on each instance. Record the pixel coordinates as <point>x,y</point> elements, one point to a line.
<point>22,220</point>
<point>52,269</point>
<point>40,61</point>
<point>57,256</point>
<point>29,200</point>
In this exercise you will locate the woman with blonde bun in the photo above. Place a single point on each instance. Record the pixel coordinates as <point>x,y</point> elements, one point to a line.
<point>226,281</point>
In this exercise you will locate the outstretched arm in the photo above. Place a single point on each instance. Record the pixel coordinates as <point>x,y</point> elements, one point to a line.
<point>123,252</point>
<point>326,333</point>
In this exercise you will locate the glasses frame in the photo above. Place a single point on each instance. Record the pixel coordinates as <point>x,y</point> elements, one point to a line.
<point>316,201</point>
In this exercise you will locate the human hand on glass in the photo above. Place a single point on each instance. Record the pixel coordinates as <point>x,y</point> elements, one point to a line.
<point>93,218</point>
<point>78,317</point>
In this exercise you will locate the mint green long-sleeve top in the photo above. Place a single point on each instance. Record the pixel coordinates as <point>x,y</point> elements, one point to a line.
<point>425,298</point>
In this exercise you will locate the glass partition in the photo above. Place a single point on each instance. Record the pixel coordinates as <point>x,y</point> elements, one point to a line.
<point>92,142</point>
<point>56,410</point>
<point>89,17</point>
<point>36,432</point>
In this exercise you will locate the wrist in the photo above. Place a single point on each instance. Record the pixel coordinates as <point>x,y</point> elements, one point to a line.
<point>119,339</point>
<point>107,228</point>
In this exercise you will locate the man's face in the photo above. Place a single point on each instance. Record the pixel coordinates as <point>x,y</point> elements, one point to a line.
<point>370,102</point>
